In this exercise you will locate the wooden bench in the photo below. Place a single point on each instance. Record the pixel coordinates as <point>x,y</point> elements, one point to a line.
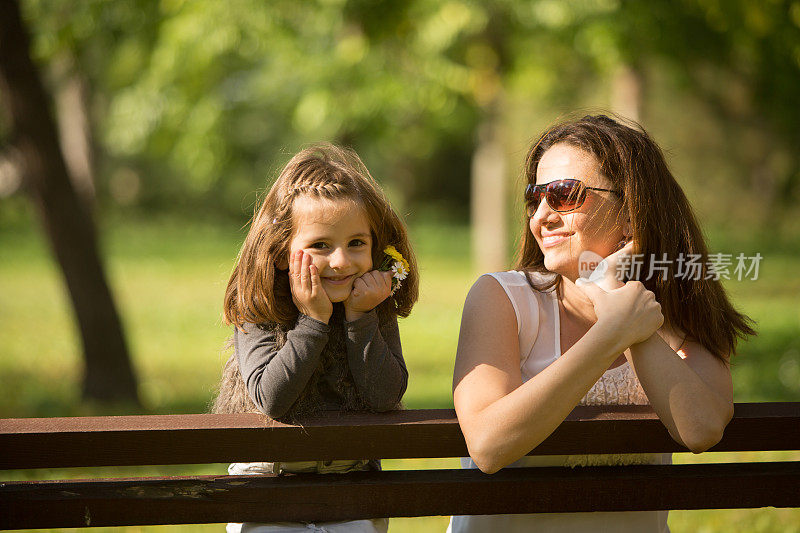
<point>195,439</point>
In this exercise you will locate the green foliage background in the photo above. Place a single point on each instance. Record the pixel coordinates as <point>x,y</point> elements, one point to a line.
<point>195,103</point>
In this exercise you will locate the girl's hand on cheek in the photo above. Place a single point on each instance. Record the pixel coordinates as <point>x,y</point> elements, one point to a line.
<point>368,291</point>
<point>307,292</point>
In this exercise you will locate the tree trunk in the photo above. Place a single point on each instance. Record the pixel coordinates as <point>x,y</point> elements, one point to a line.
<point>108,372</point>
<point>488,195</point>
<point>626,96</point>
<point>72,110</point>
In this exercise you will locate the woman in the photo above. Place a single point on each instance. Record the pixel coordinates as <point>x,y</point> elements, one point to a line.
<point>537,341</point>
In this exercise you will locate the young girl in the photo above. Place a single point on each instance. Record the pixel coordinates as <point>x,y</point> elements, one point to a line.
<point>539,340</point>
<point>314,309</point>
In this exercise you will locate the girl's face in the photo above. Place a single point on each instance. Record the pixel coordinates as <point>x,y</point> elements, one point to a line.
<point>594,226</point>
<point>336,234</point>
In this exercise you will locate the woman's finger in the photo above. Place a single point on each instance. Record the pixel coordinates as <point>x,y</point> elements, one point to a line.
<point>363,282</point>
<point>359,287</point>
<point>375,279</point>
<point>380,282</point>
<point>626,250</point>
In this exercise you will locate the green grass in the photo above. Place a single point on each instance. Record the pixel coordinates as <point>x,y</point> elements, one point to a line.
<point>169,275</point>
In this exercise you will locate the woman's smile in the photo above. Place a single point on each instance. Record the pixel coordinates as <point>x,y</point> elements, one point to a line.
<point>553,240</point>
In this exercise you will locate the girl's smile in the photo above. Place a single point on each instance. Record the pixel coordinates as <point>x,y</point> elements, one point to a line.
<point>338,280</point>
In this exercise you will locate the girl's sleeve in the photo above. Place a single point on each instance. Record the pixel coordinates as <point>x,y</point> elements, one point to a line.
<point>275,378</point>
<point>376,361</point>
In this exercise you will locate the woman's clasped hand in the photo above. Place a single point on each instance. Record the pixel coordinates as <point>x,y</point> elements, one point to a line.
<point>630,313</point>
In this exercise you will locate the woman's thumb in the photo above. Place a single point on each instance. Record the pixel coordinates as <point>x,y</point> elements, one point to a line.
<point>590,288</point>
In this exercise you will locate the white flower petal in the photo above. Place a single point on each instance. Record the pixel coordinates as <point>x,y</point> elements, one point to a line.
<point>399,271</point>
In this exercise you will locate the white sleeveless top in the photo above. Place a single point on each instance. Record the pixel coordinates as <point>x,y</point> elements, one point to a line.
<point>539,333</point>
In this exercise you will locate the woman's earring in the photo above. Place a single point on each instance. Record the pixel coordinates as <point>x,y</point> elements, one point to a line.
<point>622,244</point>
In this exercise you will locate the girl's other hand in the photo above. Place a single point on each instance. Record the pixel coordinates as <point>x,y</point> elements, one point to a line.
<point>368,291</point>
<point>630,313</point>
<point>307,292</point>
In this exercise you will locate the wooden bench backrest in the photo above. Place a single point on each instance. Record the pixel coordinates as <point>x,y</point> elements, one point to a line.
<point>62,442</point>
<point>206,438</point>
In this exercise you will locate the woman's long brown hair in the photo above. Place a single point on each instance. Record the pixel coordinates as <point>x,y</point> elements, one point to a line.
<point>661,222</point>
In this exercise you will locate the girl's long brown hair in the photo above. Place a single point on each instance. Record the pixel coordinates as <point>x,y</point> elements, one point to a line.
<point>258,290</point>
<point>661,222</point>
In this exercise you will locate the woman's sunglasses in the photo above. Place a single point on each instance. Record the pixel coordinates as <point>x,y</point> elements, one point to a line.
<point>561,195</point>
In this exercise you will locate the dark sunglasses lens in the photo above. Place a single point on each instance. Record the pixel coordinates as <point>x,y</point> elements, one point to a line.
<point>565,195</point>
<point>533,195</point>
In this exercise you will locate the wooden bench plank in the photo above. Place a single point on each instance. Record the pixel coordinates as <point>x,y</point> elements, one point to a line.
<point>314,497</point>
<point>206,438</point>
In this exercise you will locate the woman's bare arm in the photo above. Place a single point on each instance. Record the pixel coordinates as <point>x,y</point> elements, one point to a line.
<point>503,419</point>
<point>692,393</point>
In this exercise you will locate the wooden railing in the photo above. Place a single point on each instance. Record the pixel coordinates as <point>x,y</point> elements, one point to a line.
<point>195,439</point>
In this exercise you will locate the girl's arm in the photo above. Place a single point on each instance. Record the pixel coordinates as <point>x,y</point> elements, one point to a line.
<point>275,378</point>
<point>502,418</point>
<point>692,395</point>
<point>376,361</point>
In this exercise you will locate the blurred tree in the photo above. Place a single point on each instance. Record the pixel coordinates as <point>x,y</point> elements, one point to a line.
<point>196,102</point>
<point>744,58</point>
<point>215,91</point>
<point>67,222</point>
<point>741,57</point>
<point>243,85</point>
<point>75,132</point>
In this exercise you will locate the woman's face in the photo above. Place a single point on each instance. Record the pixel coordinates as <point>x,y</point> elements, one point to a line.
<point>595,226</point>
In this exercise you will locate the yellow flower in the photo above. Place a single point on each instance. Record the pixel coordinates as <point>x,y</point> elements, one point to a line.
<point>397,264</point>
<point>392,252</point>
